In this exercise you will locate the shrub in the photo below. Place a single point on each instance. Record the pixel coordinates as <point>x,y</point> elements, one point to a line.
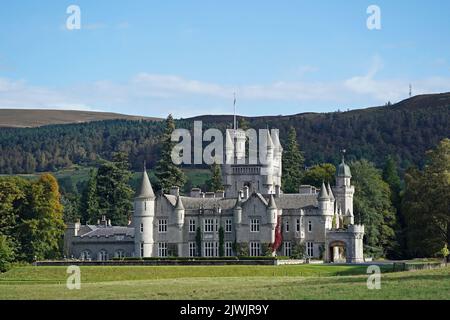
<point>7,254</point>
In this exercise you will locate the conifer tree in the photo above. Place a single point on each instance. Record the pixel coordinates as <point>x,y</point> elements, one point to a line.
<point>215,183</point>
<point>293,162</point>
<point>166,171</point>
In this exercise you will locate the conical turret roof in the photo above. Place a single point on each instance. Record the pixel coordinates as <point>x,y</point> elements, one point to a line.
<point>146,190</point>
<point>330,192</point>
<point>179,205</point>
<point>272,204</point>
<point>323,195</point>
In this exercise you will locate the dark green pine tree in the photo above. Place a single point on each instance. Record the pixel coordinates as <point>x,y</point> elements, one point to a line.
<point>293,162</point>
<point>90,211</point>
<point>166,171</point>
<point>113,189</point>
<point>391,177</point>
<point>215,183</point>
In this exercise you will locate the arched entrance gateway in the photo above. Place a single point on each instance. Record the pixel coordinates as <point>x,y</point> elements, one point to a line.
<point>345,245</point>
<point>337,251</point>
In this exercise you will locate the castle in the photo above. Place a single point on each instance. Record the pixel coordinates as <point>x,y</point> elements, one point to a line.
<point>247,218</point>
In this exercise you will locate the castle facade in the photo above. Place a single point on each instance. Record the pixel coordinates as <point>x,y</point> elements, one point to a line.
<point>251,217</point>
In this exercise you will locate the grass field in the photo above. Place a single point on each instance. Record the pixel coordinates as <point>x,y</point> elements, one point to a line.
<point>223,282</point>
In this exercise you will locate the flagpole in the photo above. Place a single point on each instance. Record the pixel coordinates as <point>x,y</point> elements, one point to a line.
<point>234,103</point>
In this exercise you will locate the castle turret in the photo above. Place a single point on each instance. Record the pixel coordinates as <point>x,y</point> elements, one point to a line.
<point>323,199</point>
<point>144,214</point>
<point>272,213</point>
<point>344,191</point>
<point>179,213</point>
<point>237,212</point>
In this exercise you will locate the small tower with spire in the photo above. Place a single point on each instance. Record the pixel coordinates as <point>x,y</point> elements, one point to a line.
<point>344,191</point>
<point>144,214</point>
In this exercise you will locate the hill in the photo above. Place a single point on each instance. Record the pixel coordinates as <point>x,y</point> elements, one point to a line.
<point>27,118</point>
<point>405,130</point>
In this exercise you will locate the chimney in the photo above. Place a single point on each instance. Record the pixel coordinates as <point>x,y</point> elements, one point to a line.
<point>246,192</point>
<point>104,221</point>
<point>277,191</point>
<point>210,194</point>
<point>306,189</point>
<point>196,192</point>
<point>109,222</point>
<point>77,227</point>
<point>220,194</point>
<point>175,191</point>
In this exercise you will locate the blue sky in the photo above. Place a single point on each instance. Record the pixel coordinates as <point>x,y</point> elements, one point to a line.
<point>188,57</point>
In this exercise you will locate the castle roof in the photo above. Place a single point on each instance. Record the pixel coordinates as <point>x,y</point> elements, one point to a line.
<point>146,190</point>
<point>330,192</point>
<point>179,204</point>
<point>272,204</point>
<point>323,195</point>
<point>343,170</point>
<point>108,231</point>
<point>191,203</point>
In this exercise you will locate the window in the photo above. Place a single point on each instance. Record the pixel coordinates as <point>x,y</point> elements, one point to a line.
<point>192,249</point>
<point>119,254</point>
<point>103,255</point>
<point>142,227</point>
<point>145,206</point>
<point>309,226</point>
<point>254,225</point>
<point>287,226</point>
<point>297,225</point>
<point>287,249</point>
<point>142,249</point>
<point>85,255</point>
<point>216,222</point>
<point>228,225</point>
<point>162,226</point>
<point>162,249</point>
<point>255,249</point>
<point>192,225</point>
<point>310,249</point>
<point>228,249</point>
<point>208,225</point>
<point>211,249</point>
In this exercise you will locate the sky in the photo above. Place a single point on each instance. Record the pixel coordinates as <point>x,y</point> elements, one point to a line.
<point>188,58</point>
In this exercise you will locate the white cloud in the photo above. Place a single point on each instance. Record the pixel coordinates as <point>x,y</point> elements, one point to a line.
<point>158,94</point>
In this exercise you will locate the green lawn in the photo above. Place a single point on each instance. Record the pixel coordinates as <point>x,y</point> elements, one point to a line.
<point>223,282</point>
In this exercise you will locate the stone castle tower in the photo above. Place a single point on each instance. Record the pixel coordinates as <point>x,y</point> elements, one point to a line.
<point>143,218</point>
<point>239,173</point>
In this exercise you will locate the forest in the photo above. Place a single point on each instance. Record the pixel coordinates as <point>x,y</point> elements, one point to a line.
<point>404,131</point>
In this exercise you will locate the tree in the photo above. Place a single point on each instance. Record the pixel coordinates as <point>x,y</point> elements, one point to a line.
<point>299,250</point>
<point>113,190</point>
<point>317,174</point>
<point>292,165</point>
<point>391,177</point>
<point>215,182</point>
<point>7,254</point>
<point>166,171</point>
<point>221,242</point>
<point>41,227</point>
<point>90,211</point>
<point>198,241</point>
<point>426,203</point>
<point>373,208</point>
